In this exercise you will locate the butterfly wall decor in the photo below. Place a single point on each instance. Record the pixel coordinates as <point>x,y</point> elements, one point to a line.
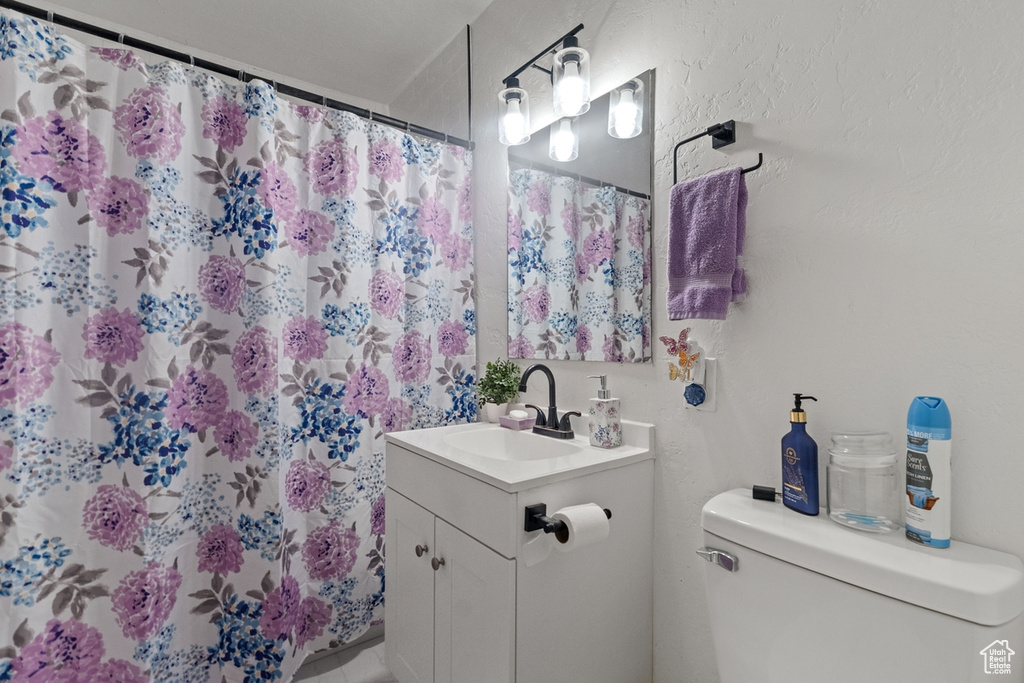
<point>675,347</point>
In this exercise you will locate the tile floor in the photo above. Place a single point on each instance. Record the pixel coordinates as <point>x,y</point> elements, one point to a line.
<point>363,663</point>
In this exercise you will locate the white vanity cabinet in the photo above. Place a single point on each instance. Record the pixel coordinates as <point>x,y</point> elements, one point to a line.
<point>461,603</point>
<point>450,602</point>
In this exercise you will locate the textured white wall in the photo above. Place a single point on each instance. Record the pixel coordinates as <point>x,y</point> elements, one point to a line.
<point>885,242</point>
<point>437,97</point>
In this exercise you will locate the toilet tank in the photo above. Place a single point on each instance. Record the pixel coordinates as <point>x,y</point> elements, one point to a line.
<point>811,601</point>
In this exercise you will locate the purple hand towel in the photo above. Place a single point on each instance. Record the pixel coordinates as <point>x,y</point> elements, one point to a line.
<point>706,226</point>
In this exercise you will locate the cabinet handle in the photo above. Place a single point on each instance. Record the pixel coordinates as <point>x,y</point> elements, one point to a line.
<point>420,549</point>
<point>437,563</point>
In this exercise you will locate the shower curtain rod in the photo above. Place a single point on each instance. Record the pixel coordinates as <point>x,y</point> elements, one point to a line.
<point>223,70</point>
<point>523,162</point>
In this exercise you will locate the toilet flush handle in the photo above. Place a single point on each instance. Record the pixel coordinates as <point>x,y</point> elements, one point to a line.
<point>721,558</point>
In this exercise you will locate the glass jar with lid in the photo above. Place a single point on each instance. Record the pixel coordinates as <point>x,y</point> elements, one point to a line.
<point>862,488</point>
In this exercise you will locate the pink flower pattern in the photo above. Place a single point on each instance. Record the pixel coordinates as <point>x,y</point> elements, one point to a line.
<point>196,401</point>
<point>220,550</point>
<point>122,59</point>
<point>304,339</point>
<point>397,415</point>
<point>223,122</point>
<point>26,363</point>
<point>452,339</point>
<point>455,252</point>
<point>222,282</point>
<point>329,552</point>
<point>332,168</point>
<point>313,617</point>
<point>387,293</point>
<point>113,337</point>
<point>310,233</point>
<point>150,125</point>
<point>60,149</point>
<point>412,357</point>
<point>386,161</point>
<point>281,609</point>
<point>118,204</point>
<point>278,192</point>
<point>115,517</point>
<point>306,484</point>
<point>536,302</point>
<point>236,434</point>
<point>144,599</point>
<point>64,652</point>
<point>254,360</point>
<point>434,220</point>
<point>366,392</point>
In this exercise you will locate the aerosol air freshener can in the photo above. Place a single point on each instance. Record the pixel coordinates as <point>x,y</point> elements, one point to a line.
<point>928,472</point>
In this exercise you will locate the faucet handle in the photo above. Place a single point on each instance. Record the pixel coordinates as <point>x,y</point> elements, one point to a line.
<point>565,424</point>
<point>541,421</point>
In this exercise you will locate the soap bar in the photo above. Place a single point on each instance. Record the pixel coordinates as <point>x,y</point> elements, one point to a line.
<point>517,425</point>
<point>518,414</point>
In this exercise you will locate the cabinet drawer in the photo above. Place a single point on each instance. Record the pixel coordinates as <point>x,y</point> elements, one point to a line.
<point>486,513</point>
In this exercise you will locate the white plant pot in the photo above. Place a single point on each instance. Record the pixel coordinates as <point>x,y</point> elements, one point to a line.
<point>495,411</point>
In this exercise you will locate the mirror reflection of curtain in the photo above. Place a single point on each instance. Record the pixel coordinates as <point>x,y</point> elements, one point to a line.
<point>579,260</point>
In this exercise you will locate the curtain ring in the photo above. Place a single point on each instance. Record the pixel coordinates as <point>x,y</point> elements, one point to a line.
<point>192,61</point>
<point>241,73</point>
<point>49,17</point>
<point>120,39</point>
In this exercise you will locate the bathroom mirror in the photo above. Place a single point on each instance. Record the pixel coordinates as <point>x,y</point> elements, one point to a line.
<point>579,238</point>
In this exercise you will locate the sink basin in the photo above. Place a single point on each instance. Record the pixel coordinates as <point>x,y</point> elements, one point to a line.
<point>514,461</point>
<point>505,444</point>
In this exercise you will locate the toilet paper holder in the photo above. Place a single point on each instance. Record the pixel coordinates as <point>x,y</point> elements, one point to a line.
<point>537,520</point>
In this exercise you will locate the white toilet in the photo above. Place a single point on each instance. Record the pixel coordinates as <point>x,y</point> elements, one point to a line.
<point>801,599</point>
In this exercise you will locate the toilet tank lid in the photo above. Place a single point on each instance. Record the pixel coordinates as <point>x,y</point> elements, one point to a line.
<point>966,581</point>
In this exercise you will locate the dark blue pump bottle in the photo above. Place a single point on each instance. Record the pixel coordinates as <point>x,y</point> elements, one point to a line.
<point>800,463</point>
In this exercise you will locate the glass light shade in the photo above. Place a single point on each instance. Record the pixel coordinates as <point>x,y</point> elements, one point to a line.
<point>571,74</point>
<point>514,116</point>
<point>565,140</point>
<point>626,110</point>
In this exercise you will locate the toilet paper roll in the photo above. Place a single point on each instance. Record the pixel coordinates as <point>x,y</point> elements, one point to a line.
<point>585,524</point>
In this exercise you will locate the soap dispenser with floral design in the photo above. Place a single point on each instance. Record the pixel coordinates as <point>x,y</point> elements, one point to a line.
<point>605,424</point>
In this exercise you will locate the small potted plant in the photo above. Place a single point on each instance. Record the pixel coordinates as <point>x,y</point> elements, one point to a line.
<point>498,386</point>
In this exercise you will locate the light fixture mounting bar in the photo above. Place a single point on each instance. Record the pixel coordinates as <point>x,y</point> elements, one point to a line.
<point>549,49</point>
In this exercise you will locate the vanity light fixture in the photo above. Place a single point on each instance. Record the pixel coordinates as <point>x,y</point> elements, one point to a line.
<point>626,110</point>
<point>565,140</point>
<point>570,80</point>
<point>514,122</point>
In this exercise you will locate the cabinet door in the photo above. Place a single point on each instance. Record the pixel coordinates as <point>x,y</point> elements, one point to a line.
<point>409,598</point>
<point>475,621</point>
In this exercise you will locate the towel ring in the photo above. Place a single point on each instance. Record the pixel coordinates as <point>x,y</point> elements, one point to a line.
<point>721,134</point>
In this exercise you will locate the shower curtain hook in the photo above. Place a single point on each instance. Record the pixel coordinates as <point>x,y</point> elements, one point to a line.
<point>192,60</point>
<point>120,39</point>
<point>49,17</point>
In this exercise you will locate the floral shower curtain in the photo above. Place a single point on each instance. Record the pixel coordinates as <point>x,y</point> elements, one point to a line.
<point>579,262</point>
<point>213,303</point>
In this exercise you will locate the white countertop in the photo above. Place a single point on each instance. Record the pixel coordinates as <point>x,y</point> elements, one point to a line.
<point>526,464</point>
